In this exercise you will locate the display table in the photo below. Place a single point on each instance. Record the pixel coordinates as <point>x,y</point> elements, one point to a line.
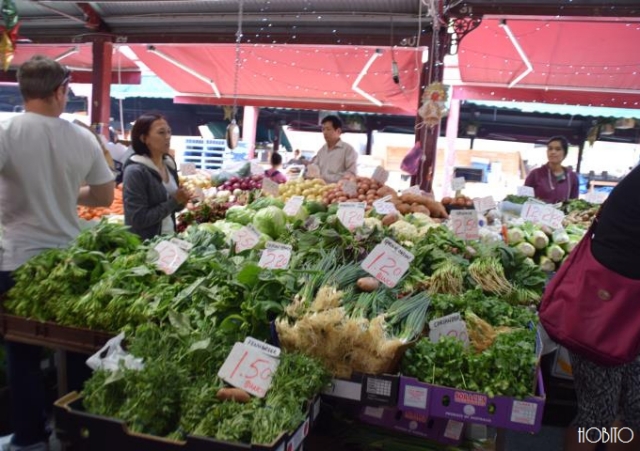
<point>595,183</point>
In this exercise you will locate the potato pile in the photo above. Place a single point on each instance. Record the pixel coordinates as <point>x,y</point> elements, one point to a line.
<point>364,190</point>
<point>368,190</point>
<point>459,202</point>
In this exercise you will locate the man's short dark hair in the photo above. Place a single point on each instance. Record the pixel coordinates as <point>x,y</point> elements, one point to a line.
<point>335,121</point>
<point>40,76</point>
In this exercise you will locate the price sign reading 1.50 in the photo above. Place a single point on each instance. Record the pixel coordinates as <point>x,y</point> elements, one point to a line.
<point>388,262</point>
<point>351,214</point>
<point>249,369</point>
<point>464,224</point>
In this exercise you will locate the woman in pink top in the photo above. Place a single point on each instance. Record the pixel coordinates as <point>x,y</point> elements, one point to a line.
<point>273,173</point>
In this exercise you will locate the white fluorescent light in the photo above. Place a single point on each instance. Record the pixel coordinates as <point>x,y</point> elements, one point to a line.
<point>185,68</point>
<point>515,43</point>
<point>361,75</point>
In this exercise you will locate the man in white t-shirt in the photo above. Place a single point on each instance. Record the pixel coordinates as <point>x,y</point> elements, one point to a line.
<point>44,161</point>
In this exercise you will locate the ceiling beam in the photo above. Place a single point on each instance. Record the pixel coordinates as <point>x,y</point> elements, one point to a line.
<point>79,76</point>
<point>57,36</point>
<point>92,18</point>
<point>552,8</point>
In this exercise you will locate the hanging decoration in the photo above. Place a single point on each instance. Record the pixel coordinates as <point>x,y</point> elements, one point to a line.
<point>9,36</point>
<point>434,104</point>
<point>233,130</point>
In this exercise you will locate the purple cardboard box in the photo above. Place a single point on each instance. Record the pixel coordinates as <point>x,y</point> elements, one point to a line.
<point>471,407</point>
<point>436,429</point>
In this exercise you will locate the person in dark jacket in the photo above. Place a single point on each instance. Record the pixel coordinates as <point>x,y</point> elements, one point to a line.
<point>151,189</point>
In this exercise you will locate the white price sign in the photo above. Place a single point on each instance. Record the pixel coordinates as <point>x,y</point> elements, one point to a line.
<point>458,183</point>
<point>249,369</point>
<point>246,238</point>
<point>415,189</point>
<point>596,197</point>
<point>293,205</point>
<point>350,188</point>
<point>383,206</point>
<point>270,188</point>
<point>449,326</point>
<point>188,169</point>
<point>275,256</point>
<point>171,255</point>
<point>484,203</point>
<point>526,191</point>
<point>464,224</point>
<point>388,262</point>
<point>380,175</point>
<point>542,214</point>
<point>351,214</point>
<point>313,171</point>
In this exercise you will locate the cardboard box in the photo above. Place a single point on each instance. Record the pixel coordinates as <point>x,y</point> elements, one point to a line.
<point>437,429</point>
<point>470,407</point>
<point>85,431</point>
<point>368,389</point>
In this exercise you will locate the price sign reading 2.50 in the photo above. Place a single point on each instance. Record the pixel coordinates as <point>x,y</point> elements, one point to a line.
<point>388,262</point>
<point>464,224</point>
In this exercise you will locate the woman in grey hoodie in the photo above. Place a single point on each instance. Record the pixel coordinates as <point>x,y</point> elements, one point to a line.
<point>151,189</point>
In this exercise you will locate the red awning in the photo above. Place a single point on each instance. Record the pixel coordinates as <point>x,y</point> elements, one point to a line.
<point>79,58</point>
<point>296,76</point>
<point>574,62</point>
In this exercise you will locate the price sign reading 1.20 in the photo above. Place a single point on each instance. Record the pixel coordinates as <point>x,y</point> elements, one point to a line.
<point>464,224</point>
<point>275,256</point>
<point>249,369</point>
<point>542,214</point>
<point>246,238</point>
<point>388,262</point>
<point>351,214</point>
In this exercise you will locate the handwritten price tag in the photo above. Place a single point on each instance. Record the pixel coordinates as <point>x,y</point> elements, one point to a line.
<point>293,205</point>
<point>170,256</point>
<point>380,175</point>
<point>596,197</point>
<point>448,326</point>
<point>351,214</point>
<point>275,256</point>
<point>249,369</point>
<point>484,203</point>
<point>350,188</point>
<point>270,188</point>
<point>464,224</point>
<point>383,206</point>
<point>188,169</point>
<point>526,191</point>
<point>388,262</point>
<point>262,347</point>
<point>458,183</point>
<point>415,189</point>
<point>542,214</point>
<point>246,238</point>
